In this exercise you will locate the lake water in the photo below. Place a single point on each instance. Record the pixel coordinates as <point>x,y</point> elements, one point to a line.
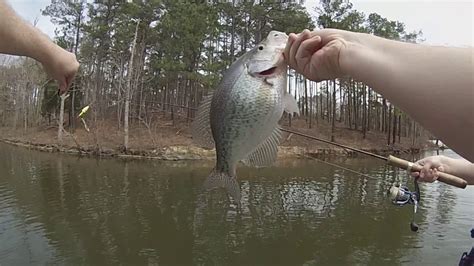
<point>61,209</point>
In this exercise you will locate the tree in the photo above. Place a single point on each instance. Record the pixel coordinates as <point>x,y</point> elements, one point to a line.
<point>161,68</point>
<point>129,88</point>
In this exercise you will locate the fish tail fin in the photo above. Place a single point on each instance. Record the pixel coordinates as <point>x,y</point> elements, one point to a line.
<point>220,179</point>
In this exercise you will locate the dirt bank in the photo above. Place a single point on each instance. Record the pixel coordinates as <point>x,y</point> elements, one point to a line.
<point>173,142</point>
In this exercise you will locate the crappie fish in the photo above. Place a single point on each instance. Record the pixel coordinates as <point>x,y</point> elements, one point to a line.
<point>241,118</point>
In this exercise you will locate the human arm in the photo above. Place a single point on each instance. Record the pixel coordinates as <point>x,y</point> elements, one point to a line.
<point>458,167</point>
<point>18,37</point>
<point>434,85</point>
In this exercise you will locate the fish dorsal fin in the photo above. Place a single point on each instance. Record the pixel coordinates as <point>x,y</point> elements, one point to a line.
<point>290,105</point>
<point>201,126</point>
<point>266,153</point>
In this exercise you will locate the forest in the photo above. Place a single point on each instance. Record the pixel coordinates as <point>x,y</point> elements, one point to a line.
<point>146,65</point>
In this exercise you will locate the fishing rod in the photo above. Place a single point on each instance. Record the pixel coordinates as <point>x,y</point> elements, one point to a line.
<point>392,160</point>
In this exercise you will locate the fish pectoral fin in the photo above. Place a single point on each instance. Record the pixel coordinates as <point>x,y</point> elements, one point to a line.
<point>266,153</point>
<point>201,126</point>
<point>290,105</point>
<point>217,179</point>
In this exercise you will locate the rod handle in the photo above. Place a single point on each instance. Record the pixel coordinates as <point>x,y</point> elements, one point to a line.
<point>443,177</point>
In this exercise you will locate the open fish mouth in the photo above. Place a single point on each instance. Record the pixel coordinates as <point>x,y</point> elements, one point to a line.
<point>268,72</point>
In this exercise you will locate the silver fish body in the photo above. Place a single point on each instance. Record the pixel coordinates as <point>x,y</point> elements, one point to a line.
<point>243,116</point>
<point>244,111</point>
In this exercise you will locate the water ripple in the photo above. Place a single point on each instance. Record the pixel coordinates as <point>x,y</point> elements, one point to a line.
<point>64,210</point>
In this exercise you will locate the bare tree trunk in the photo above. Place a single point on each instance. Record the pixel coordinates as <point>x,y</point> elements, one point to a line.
<point>310,103</point>
<point>388,124</point>
<point>24,106</point>
<point>341,99</point>
<point>306,98</point>
<point>355,102</point>
<point>289,92</point>
<point>61,118</point>
<point>76,46</point>
<point>399,127</point>
<point>364,111</point>
<point>327,100</point>
<point>378,114</point>
<point>349,103</point>
<point>394,128</point>
<point>369,104</point>
<point>333,127</point>
<point>414,132</point>
<point>128,90</point>
<point>232,35</point>
<point>119,97</point>
<point>321,112</point>
<point>384,115</point>
<point>315,99</point>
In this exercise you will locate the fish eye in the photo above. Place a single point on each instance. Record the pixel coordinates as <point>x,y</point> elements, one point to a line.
<point>260,47</point>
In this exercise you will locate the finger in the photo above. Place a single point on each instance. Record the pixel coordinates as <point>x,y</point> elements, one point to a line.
<point>316,62</point>
<point>307,48</point>
<point>435,174</point>
<point>425,170</point>
<point>415,174</point>
<point>430,175</point>
<point>291,39</point>
<point>426,179</point>
<point>420,162</point>
<point>295,46</point>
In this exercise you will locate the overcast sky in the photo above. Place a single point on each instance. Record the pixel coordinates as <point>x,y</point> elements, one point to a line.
<point>443,22</point>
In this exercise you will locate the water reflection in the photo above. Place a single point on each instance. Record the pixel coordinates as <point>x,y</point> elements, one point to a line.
<point>58,209</point>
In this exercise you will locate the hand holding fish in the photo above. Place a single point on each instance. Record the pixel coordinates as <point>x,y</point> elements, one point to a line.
<point>407,74</point>
<point>62,66</point>
<point>317,54</point>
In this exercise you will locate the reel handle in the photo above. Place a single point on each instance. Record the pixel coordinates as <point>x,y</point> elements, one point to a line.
<point>443,177</point>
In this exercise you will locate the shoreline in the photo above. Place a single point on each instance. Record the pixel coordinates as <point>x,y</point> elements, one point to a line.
<point>191,152</point>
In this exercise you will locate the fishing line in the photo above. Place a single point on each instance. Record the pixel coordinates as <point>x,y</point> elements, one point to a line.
<point>335,144</point>
<point>341,167</point>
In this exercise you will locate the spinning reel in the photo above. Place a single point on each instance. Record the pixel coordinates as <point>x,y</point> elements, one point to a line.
<point>401,195</point>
